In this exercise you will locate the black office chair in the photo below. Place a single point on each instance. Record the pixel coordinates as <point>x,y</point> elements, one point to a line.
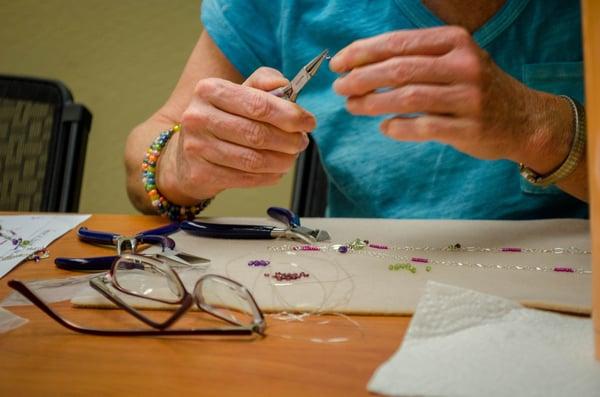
<point>309,197</point>
<point>43,138</point>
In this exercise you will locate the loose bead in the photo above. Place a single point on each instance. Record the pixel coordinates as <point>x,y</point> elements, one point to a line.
<point>420,260</point>
<point>258,262</point>
<point>511,249</point>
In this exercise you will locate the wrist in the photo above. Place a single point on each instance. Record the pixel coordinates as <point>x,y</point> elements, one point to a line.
<point>576,136</point>
<point>550,134</point>
<point>161,203</point>
<point>167,179</point>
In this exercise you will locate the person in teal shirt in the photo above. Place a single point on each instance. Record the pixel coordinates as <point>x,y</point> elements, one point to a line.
<point>427,111</point>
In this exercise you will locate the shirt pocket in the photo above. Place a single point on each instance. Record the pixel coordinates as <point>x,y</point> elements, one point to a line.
<point>559,78</point>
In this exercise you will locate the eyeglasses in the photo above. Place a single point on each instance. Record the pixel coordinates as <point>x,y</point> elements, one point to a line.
<point>147,278</point>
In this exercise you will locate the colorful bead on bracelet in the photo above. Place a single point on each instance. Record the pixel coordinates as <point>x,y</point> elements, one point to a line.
<point>162,205</point>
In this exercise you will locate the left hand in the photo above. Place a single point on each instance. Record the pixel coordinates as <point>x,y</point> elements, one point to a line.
<point>467,101</point>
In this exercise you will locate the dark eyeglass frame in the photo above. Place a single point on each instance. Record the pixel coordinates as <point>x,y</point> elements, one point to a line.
<point>186,301</point>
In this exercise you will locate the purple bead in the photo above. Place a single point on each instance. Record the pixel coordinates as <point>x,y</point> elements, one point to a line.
<point>343,249</point>
<point>259,262</point>
<point>511,249</point>
<point>421,260</point>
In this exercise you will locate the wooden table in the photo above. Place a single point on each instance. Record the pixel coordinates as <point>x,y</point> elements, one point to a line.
<point>42,358</point>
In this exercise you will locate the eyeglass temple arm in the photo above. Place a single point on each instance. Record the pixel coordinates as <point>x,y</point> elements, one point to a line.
<point>33,298</point>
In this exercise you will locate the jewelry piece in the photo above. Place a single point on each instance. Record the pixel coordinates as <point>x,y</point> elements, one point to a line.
<point>163,206</point>
<point>363,247</point>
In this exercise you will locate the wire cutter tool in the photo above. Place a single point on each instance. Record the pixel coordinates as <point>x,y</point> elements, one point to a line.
<point>293,231</point>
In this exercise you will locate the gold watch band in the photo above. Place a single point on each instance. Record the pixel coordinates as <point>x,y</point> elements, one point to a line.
<point>576,153</point>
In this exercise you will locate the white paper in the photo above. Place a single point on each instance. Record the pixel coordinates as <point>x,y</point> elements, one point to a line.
<point>465,343</point>
<point>40,230</point>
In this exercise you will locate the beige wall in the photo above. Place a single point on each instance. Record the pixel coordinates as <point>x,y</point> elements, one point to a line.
<point>121,59</point>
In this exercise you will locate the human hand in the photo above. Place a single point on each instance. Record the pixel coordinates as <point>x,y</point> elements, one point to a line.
<point>465,99</point>
<point>233,136</point>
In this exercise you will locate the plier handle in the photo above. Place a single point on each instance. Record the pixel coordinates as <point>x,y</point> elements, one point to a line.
<point>293,231</point>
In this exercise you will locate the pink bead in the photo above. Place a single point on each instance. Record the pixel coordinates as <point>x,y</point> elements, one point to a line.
<point>378,246</point>
<point>511,249</point>
<point>564,269</point>
<point>306,248</point>
<point>422,260</point>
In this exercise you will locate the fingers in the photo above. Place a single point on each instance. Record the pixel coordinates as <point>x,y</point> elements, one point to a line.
<point>245,159</point>
<point>239,135</point>
<point>266,79</point>
<point>255,104</point>
<point>428,127</point>
<point>394,72</point>
<point>207,180</point>
<point>460,100</point>
<point>253,134</point>
<point>434,41</point>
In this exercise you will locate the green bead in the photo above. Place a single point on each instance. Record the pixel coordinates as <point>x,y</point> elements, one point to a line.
<point>428,268</point>
<point>357,244</point>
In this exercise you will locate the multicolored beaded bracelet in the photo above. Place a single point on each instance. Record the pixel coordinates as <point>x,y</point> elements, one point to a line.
<point>162,205</point>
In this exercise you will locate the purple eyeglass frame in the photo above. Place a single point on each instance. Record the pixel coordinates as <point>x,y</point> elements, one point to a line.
<point>100,284</point>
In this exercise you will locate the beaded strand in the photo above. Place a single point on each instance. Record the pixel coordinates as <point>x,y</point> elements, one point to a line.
<point>364,247</point>
<point>159,202</point>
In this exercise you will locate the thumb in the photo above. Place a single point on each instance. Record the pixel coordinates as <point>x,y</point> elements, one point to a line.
<point>266,79</point>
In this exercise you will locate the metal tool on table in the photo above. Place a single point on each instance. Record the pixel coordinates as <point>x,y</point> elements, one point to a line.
<point>293,231</point>
<point>157,236</point>
<point>291,91</point>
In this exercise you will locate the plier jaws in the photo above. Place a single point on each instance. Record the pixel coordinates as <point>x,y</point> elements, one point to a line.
<point>291,91</point>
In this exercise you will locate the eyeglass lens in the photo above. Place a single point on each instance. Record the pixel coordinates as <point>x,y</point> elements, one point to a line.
<point>148,279</point>
<point>227,300</point>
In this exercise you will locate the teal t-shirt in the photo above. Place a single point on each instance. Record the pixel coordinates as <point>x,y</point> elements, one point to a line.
<point>537,42</point>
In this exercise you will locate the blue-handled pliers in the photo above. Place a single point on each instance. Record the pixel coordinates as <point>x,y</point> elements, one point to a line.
<point>293,231</point>
<point>157,236</point>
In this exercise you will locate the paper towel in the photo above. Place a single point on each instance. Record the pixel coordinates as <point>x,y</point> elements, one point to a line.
<point>465,343</point>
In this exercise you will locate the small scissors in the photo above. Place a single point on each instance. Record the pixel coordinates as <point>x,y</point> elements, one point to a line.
<point>153,236</point>
<point>291,91</point>
<point>293,231</point>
